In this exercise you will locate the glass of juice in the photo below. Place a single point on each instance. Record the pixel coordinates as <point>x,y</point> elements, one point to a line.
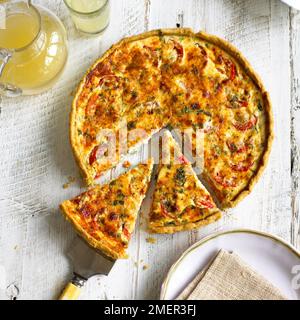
<point>90,17</point>
<point>33,49</point>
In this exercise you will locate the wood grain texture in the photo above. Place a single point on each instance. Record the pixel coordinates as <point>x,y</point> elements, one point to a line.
<point>36,159</point>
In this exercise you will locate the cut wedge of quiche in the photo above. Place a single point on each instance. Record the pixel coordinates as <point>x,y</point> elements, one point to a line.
<point>180,201</point>
<point>105,215</point>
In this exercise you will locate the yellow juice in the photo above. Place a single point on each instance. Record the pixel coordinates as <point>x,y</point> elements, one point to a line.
<point>38,50</point>
<point>89,16</point>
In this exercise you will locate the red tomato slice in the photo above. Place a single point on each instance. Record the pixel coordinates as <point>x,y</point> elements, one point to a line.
<point>225,183</point>
<point>97,152</point>
<point>237,149</point>
<point>183,160</point>
<point>246,125</point>
<point>85,211</point>
<point>238,105</point>
<point>91,106</point>
<point>126,233</point>
<point>233,72</point>
<point>241,167</point>
<point>178,48</point>
<point>206,204</point>
<point>108,78</point>
<point>93,155</point>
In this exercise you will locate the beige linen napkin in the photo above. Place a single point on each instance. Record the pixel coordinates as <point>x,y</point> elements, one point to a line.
<point>228,277</point>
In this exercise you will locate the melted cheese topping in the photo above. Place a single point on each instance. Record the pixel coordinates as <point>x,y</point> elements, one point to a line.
<point>179,197</point>
<point>181,81</point>
<point>109,212</point>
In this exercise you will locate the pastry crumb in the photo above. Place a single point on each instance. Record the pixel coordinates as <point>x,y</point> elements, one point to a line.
<point>70,181</point>
<point>126,164</point>
<point>145,267</point>
<point>151,240</point>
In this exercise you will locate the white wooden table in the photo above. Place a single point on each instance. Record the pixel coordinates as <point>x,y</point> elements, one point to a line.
<point>36,158</point>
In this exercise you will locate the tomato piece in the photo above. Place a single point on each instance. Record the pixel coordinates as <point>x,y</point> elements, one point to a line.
<point>126,233</point>
<point>99,71</point>
<point>233,72</point>
<point>98,152</point>
<point>93,155</point>
<point>183,160</point>
<point>91,106</point>
<point>178,48</point>
<point>237,149</point>
<point>223,182</point>
<point>85,211</point>
<point>98,175</point>
<point>206,204</point>
<point>246,125</point>
<point>241,167</point>
<point>108,78</point>
<point>237,105</point>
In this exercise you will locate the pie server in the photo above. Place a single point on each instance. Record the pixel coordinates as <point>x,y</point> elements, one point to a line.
<point>87,262</point>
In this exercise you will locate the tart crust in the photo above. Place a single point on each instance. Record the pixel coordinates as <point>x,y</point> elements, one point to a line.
<point>245,65</point>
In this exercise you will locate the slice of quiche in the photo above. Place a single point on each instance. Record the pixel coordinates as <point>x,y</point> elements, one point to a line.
<point>180,201</point>
<point>105,215</point>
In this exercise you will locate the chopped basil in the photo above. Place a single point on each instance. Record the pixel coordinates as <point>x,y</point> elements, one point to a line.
<point>195,107</point>
<point>170,127</point>
<point>180,177</point>
<point>116,202</point>
<point>169,206</point>
<point>170,223</point>
<point>204,112</point>
<point>112,183</point>
<point>134,94</point>
<point>131,125</point>
<point>259,106</point>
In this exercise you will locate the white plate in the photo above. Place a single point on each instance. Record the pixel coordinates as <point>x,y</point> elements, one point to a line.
<point>270,256</point>
<point>292,3</point>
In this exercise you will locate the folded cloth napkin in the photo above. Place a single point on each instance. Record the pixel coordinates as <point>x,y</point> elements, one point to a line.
<point>228,277</point>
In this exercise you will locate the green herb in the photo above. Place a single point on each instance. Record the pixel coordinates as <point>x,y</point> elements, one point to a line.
<point>169,206</point>
<point>79,132</point>
<point>120,195</point>
<point>186,110</point>
<point>233,148</point>
<point>199,111</point>
<point>170,127</point>
<point>134,94</point>
<point>116,202</point>
<point>170,223</point>
<point>131,125</point>
<point>259,106</point>
<point>218,150</point>
<point>180,177</point>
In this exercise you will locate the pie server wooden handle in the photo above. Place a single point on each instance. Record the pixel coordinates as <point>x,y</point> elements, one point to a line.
<point>72,289</point>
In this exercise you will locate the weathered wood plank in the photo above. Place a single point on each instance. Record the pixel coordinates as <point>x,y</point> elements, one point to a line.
<point>295,116</point>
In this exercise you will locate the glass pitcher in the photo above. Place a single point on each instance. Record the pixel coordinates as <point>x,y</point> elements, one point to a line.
<point>33,49</point>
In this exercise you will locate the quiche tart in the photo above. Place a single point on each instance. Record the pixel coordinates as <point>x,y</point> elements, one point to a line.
<point>105,215</point>
<point>180,201</point>
<point>180,79</point>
